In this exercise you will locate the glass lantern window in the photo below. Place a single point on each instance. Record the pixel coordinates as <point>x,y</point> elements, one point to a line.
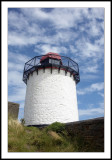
<point>53,61</point>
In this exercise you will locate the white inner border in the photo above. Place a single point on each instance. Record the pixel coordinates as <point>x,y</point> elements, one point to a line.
<point>5,6</point>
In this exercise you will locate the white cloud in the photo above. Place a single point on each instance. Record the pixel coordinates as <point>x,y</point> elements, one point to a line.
<point>100,41</point>
<point>45,48</point>
<point>70,17</point>
<point>29,32</point>
<point>90,68</point>
<point>18,94</point>
<point>22,31</point>
<point>59,17</point>
<point>73,49</point>
<point>16,66</point>
<point>90,53</point>
<point>18,58</point>
<point>93,111</point>
<point>92,47</point>
<point>26,30</point>
<point>81,92</point>
<point>35,13</point>
<point>22,39</point>
<point>17,20</point>
<point>64,18</point>
<point>88,49</point>
<point>17,88</point>
<point>15,78</point>
<point>12,66</point>
<point>22,24</point>
<point>101,94</point>
<point>89,77</point>
<point>94,28</point>
<point>96,87</point>
<point>97,13</point>
<point>16,63</point>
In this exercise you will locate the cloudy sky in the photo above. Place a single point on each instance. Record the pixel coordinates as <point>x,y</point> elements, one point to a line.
<point>77,33</point>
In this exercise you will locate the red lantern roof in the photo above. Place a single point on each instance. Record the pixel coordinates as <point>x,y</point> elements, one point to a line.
<point>51,55</point>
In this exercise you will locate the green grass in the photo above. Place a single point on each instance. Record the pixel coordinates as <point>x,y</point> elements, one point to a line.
<point>32,139</point>
<point>53,138</point>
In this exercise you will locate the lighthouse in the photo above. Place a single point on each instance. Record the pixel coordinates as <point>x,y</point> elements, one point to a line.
<point>51,96</point>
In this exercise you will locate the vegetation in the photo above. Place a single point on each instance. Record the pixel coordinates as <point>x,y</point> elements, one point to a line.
<point>53,138</point>
<point>56,127</point>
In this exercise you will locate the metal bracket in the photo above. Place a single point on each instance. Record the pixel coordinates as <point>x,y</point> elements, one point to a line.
<point>59,69</point>
<point>31,73</point>
<point>66,71</point>
<point>37,71</point>
<point>44,69</point>
<point>51,69</point>
<point>71,74</point>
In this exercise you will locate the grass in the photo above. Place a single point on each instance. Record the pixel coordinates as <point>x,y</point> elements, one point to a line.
<point>31,139</point>
<point>53,138</point>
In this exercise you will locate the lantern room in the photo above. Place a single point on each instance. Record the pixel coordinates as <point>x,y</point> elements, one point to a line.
<point>51,58</point>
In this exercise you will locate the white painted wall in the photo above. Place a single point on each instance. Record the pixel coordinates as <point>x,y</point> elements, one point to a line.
<point>50,98</point>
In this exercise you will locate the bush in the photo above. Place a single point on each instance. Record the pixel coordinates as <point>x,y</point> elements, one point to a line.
<point>56,127</point>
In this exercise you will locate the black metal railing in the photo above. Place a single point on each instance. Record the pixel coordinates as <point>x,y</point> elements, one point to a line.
<point>66,63</point>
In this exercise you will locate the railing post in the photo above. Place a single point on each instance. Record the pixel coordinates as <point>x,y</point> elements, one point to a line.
<point>34,61</point>
<point>68,63</point>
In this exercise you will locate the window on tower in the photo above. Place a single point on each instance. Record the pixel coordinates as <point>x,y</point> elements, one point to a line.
<point>53,61</point>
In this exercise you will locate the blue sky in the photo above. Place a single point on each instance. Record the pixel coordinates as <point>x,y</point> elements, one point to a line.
<point>77,33</point>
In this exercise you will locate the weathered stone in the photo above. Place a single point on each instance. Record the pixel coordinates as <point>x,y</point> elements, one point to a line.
<point>13,109</point>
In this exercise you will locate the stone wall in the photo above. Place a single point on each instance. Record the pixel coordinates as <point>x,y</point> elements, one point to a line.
<point>89,133</point>
<point>13,109</point>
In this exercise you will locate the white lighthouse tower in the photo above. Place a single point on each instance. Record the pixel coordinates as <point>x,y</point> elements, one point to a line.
<point>51,90</point>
